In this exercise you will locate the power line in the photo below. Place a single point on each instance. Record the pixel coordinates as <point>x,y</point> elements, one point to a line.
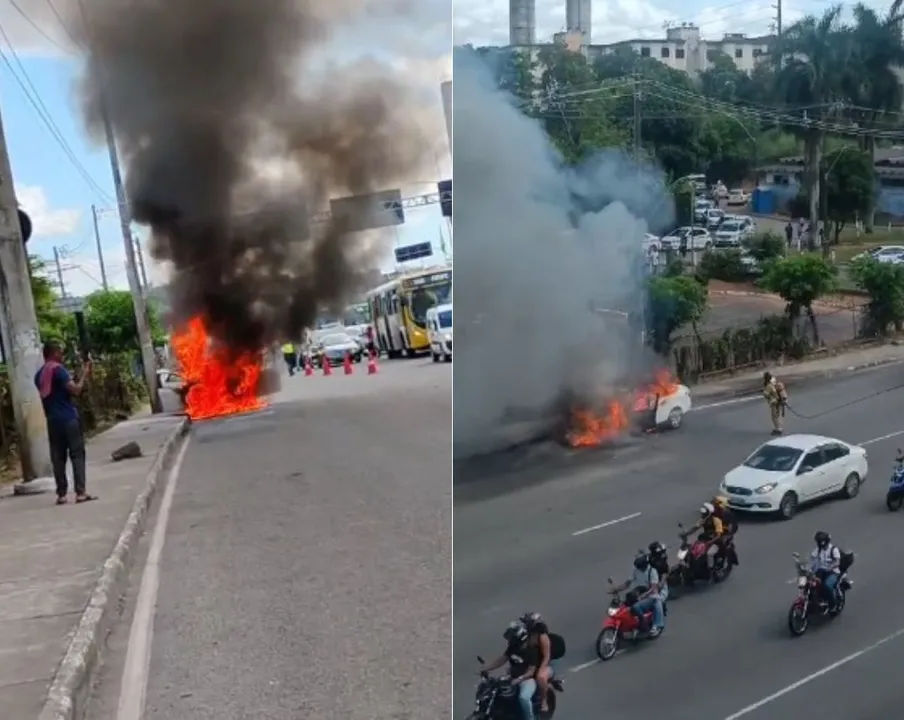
<point>38,28</point>
<point>44,114</point>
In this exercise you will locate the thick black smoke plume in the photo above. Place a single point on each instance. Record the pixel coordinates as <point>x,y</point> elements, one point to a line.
<point>202,95</point>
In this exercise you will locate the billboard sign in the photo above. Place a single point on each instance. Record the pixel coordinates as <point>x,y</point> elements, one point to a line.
<point>418,251</point>
<point>368,212</point>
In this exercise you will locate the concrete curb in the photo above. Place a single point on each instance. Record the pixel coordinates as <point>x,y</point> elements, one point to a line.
<point>72,684</point>
<point>834,305</point>
<point>753,386</point>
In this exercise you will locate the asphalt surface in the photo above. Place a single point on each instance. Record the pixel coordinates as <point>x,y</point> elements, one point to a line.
<point>727,647</point>
<point>306,570</point>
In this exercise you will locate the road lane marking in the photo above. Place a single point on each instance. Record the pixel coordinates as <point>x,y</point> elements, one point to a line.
<point>813,676</point>
<point>605,524</point>
<point>724,403</point>
<point>883,437</point>
<point>584,666</point>
<point>134,685</point>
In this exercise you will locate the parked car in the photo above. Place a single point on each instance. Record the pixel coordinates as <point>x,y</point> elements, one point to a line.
<point>737,197</point>
<point>714,218</point>
<point>701,208</point>
<point>688,238</point>
<point>334,347</point>
<point>883,254</point>
<point>730,234</point>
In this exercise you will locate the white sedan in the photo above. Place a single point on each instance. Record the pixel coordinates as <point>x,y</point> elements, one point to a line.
<point>793,470</point>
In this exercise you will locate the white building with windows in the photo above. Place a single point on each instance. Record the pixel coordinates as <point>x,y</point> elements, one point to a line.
<point>683,48</point>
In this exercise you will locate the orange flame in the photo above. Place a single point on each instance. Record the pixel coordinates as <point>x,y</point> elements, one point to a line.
<point>217,387</point>
<point>591,429</point>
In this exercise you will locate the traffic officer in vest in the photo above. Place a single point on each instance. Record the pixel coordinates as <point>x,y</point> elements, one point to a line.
<point>291,358</point>
<point>776,398</point>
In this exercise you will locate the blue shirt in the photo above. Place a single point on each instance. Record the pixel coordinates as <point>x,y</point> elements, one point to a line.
<point>58,406</point>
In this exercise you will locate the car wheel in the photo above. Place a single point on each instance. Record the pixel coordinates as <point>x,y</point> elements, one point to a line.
<point>787,508</point>
<point>851,486</point>
<point>708,246</point>
<point>436,357</point>
<point>676,415</point>
<point>447,358</point>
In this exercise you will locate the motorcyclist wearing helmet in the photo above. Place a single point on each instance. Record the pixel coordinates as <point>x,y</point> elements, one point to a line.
<point>729,523</point>
<point>522,659</point>
<point>651,592</point>
<point>824,563</point>
<point>712,529</point>
<point>550,648</point>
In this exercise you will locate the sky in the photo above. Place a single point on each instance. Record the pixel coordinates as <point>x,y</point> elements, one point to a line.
<point>485,22</point>
<point>59,173</point>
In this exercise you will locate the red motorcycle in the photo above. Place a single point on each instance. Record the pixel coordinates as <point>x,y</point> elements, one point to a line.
<point>810,601</point>
<point>620,625</point>
<point>692,566</point>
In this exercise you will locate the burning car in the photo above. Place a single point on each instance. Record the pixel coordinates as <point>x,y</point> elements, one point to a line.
<point>661,404</point>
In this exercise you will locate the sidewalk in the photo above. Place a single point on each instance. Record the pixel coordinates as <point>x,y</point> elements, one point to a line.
<point>60,583</point>
<point>750,382</point>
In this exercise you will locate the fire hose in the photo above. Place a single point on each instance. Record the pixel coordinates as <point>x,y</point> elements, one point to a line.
<point>786,405</point>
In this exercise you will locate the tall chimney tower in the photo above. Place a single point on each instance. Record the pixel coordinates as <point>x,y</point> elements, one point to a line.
<point>522,22</point>
<point>579,17</point>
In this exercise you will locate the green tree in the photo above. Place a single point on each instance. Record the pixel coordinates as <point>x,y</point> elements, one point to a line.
<point>514,71</point>
<point>684,196</point>
<point>110,319</point>
<point>800,280</point>
<point>851,186</point>
<point>811,65</point>
<point>51,322</point>
<point>574,107</point>
<point>674,302</point>
<point>766,247</point>
<point>873,82</point>
<point>884,283</point>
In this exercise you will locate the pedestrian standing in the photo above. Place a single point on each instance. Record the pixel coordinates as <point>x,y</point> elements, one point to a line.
<point>64,428</point>
<point>789,233</point>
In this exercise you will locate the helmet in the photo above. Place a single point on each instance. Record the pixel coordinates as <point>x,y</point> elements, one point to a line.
<point>641,562</point>
<point>530,620</point>
<point>706,509</point>
<point>515,633</point>
<point>822,539</point>
<point>719,501</point>
<point>767,377</point>
<point>657,548</point>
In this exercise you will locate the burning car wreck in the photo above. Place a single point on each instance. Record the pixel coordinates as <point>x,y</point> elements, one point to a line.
<point>660,404</point>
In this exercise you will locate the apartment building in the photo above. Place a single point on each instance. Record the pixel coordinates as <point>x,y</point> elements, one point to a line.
<point>683,48</point>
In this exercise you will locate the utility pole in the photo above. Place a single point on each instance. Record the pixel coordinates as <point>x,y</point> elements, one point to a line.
<point>100,250</point>
<point>59,268</point>
<point>637,113</point>
<point>144,272</point>
<point>148,358</point>
<point>21,341</point>
<point>778,31</point>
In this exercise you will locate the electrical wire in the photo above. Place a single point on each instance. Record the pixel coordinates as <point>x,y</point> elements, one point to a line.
<point>855,401</point>
<point>43,33</point>
<point>44,114</point>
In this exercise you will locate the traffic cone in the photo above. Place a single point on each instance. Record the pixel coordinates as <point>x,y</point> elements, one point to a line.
<point>308,369</point>
<point>327,368</point>
<point>347,363</point>
<point>372,364</point>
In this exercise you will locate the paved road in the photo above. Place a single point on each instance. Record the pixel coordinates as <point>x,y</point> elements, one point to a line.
<point>726,647</point>
<point>306,569</point>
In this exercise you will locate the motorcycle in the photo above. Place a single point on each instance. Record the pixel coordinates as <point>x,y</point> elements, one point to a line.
<point>621,625</point>
<point>894,499</point>
<point>496,698</point>
<point>691,566</point>
<point>810,602</point>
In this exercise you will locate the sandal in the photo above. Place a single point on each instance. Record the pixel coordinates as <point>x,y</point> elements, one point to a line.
<point>85,498</point>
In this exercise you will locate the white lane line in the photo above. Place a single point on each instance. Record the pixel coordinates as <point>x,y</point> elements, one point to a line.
<point>605,524</point>
<point>723,403</point>
<point>818,674</point>
<point>584,666</point>
<point>133,688</point>
<point>883,437</point>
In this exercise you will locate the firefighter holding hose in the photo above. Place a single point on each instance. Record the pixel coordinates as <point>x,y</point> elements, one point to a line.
<point>777,399</point>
